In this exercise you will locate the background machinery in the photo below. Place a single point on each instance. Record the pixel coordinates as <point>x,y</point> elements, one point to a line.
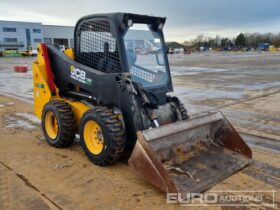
<point>115,98</point>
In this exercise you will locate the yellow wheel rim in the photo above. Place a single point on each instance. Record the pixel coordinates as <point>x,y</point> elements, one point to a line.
<point>51,125</point>
<point>93,137</point>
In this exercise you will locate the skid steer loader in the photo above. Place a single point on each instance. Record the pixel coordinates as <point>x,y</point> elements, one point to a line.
<point>111,89</point>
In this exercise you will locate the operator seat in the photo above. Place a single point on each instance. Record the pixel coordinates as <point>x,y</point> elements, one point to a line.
<point>108,62</point>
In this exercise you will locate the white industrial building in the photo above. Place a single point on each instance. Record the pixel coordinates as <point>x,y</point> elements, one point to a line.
<point>19,35</point>
<point>27,35</point>
<point>58,35</point>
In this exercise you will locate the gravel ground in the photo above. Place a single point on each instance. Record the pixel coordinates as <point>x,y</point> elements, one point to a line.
<point>244,86</point>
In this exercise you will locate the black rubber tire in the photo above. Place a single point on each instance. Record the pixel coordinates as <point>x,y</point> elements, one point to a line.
<point>113,133</point>
<point>183,111</point>
<point>66,123</point>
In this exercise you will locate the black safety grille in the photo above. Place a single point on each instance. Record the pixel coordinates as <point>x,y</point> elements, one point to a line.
<point>145,75</point>
<point>97,46</point>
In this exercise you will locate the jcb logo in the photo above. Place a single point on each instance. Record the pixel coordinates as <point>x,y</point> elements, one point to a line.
<point>77,73</point>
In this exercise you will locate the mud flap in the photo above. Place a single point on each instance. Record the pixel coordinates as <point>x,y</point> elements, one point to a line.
<point>190,156</point>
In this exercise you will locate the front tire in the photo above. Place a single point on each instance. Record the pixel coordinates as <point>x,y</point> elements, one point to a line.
<point>102,136</point>
<point>58,124</point>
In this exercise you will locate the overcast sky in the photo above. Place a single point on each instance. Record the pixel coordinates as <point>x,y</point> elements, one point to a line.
<point>185,18</point>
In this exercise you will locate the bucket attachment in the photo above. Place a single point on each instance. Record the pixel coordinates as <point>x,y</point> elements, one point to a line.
<point>190,156</point>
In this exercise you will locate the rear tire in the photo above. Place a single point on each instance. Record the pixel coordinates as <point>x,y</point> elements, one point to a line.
<point>58,124</point>
<point>102,136</point>
<point>183,111</point>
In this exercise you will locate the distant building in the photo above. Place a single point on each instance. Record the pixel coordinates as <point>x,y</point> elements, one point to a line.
<point>58,35</point>
<point>174,47</point>
<point>19,35</point>
<point>27,35</point>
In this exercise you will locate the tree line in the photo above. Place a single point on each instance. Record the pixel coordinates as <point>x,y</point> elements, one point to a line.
<point>250,40</point>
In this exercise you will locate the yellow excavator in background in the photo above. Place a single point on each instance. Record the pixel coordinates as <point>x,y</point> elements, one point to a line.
<point>113,92</point>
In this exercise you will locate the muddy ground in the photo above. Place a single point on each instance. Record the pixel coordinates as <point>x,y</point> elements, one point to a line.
<point>33,175</point>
